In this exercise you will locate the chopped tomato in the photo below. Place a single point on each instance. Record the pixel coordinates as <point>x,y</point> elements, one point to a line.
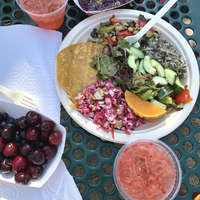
<point>143,23</point>
<point>110,40</point>
<point>114,20</point>
<point>124,33</point>
<point>183,97</point>
<point>168,105</point>
<point>173,95</point>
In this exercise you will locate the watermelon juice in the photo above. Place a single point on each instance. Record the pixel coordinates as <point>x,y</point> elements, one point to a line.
<point>147,170</point>
<point>47,14</point>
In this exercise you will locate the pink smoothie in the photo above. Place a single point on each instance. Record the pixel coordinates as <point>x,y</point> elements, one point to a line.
<point>145,171</point>
<point>48,14</point>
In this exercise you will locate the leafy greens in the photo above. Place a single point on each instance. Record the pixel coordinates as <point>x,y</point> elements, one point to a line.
<point>112,64</point>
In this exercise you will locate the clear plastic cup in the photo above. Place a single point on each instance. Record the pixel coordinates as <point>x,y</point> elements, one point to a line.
<point>47,20</point>
<point>147,169</point>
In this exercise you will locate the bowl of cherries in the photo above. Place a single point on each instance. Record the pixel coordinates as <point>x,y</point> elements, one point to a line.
<point>31,145</point>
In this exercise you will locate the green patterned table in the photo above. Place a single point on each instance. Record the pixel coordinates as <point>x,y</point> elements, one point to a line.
<point>88,158</point>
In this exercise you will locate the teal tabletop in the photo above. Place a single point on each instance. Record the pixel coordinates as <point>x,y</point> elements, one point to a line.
<point>90,159</point>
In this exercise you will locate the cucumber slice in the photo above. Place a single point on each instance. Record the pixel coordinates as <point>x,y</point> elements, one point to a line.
<point>137,64</point>
<point>159,68</point>
<point>136,45</point>
<point>159,80</point>
<point>132,63</point>
<point>131,53</point>
<point>170,76</point>
<point>178,86</point>
<point>164,91</point>
<point>141,67</point>
<point>136,51</point>
<point>167,100</point>
<point>157,103</point>
<point>147,66</point>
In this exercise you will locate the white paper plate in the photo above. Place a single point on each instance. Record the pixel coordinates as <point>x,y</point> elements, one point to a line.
<point>157,129</point>
<point>17,111</point>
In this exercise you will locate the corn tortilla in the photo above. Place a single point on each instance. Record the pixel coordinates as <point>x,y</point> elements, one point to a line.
<point>74,71</point>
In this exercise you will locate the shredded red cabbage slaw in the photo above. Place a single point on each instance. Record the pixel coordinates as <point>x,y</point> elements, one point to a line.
<point>105,104</point>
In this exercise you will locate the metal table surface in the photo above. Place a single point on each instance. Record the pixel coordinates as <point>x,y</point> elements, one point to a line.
<point>88,158</point>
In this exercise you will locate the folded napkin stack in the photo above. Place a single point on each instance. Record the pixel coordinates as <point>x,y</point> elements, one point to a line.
<point>27,62</point>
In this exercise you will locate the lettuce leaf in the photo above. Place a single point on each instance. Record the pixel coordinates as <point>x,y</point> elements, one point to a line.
<point>144,86</point>
<point>112,64</point>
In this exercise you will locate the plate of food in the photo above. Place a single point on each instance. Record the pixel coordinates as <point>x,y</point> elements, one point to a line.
<point>95,7</point>
<point>118,91</point>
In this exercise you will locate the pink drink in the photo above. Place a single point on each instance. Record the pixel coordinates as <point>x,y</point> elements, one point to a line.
<point>144,170</point>
<point>48,14</point>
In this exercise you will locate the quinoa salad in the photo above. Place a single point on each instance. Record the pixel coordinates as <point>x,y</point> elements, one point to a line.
<point>111,29</point>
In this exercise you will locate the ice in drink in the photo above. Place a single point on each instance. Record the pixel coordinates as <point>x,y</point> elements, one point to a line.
<point>48,14</point>
<point>145,170</point>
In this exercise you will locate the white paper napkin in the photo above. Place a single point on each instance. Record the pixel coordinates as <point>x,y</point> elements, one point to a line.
<point>27,58</point>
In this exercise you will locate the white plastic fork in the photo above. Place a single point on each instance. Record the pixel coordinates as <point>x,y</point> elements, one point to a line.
<point>20,98</point>
<point>151,22</point>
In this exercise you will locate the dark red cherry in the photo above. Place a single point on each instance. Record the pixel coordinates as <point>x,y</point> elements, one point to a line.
<point>47,125</point>
<point>45,135</point>
<point>19,164</point>
<point>22,177</point>
<point>20,123</point>
<point>10,150</point>
<point>6,165</point>
<point>36,157</point>
<point>25,148</point>
<point>2,144</point>
<point>8,133</point>
<point>34,171</point>
<point>55,138</point>
<point>33,118</point>
<point>49,151</point>
<point>32,134</point>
